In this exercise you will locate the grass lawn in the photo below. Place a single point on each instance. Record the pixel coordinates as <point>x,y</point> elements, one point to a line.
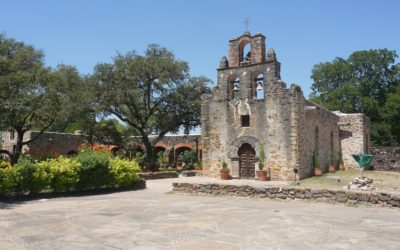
<point>389,181</point>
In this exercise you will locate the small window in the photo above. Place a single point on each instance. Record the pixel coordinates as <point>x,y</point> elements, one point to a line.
<point>12,135</point>
<point>245,121</point>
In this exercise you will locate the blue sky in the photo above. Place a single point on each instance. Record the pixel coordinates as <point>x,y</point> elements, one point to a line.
<point>303,33</point>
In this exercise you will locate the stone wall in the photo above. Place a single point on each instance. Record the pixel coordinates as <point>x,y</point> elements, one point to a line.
<point>287,193</point>
<point>386,158</point>
<point>54,143</point>
<point>158,175</point>
<point>354,136</point>
<point>320,134</point>
<point>9,141</point>
<point>270,124</point>
<point>48,143</point>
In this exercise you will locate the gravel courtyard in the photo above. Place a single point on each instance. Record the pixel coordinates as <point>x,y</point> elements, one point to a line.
<point>155,219</point>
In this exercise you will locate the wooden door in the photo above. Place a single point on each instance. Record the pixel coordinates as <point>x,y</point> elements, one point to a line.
<point>246,161</point>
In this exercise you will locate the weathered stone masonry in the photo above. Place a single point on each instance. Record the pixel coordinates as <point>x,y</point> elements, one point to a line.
<point>252,109</point>
<point>289,193</point>
<point>386,158</point>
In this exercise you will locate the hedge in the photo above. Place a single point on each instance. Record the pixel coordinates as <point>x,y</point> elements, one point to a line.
<point>88,171</point>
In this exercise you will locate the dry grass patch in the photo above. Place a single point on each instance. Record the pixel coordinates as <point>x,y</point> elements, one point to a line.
<point>389,181</point>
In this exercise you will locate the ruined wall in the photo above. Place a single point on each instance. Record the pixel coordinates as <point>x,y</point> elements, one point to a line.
<point>354,136</point>
<point>48,143</point>
<point>386,158</point>
<point>56,143</point>
<point>8,142</point>
<point>320,134</point>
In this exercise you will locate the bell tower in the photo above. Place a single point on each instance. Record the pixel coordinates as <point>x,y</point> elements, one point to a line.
<point>249,68</point>
<point>237,57</point>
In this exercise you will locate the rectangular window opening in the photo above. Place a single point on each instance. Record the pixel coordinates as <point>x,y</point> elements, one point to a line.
<point>245,121</point>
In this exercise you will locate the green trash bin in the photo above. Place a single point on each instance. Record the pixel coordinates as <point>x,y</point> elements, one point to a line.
<point>363,160</point>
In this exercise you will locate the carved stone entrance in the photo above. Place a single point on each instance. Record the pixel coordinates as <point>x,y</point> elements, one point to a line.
<point>247,159</point>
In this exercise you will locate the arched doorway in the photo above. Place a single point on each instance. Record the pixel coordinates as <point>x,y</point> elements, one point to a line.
<point>247,160</point>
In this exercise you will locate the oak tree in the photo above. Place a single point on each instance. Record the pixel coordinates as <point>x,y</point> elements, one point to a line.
<point>152,93</point>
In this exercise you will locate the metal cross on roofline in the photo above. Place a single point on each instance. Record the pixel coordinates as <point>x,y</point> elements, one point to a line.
<point>247,23</point>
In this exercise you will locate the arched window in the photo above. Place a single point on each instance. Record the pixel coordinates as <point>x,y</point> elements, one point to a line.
<point>331,142</point>
<point>236,87</point>
<point>233,87</point>
<point>244,53</point>
<point>260,87</point>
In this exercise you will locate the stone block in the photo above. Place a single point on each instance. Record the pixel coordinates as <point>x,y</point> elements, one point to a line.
<point>364,196</point>
<point>351,195</point>
<point>395,197</point>
<point>394,203</point>
<point>188,173</point>
<point>374,198</point>
<point>342,198</point>
<point>333,178</point>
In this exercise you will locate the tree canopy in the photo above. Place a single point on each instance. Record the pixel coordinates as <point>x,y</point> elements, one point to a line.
<point>152,93</point>
<point>366,82</point>
<point>31,95</point>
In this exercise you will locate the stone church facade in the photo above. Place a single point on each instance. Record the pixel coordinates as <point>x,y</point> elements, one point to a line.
<point>251,109</point>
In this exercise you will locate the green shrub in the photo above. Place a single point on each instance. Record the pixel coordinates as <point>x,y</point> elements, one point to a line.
<point>94,169</point>
<point>4,164</point>
<point>189,157</point>
<point>262,157</point>
<point>26,170</point>
<point>41,177</point>
<point>89,170</point>
<point>224,166</point>
<point>315,160</point>
<point>63,173</point>
<point>123,173</point>
<point>8,180</point>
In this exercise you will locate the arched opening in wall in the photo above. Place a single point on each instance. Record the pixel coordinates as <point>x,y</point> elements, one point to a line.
<point>244,52</point>
<point>233,86</point>
<point>179,152</point>
<point>72,153</point>
<point>366,144</point>
<point>247,161</point>
<point>236,87</point>
<point>137,151</point>
<point>260,87</point>
<point>331,142</point>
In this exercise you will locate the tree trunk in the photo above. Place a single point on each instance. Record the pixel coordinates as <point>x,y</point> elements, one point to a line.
<point>150,154</point>
<point>18,148</point>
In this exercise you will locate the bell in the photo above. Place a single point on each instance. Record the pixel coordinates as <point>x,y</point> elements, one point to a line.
<point>259,87</point>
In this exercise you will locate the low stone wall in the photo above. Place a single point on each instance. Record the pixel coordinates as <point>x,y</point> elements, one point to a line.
<point>158,175</point>
<point>324,195</point>
<point>386,158</point>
